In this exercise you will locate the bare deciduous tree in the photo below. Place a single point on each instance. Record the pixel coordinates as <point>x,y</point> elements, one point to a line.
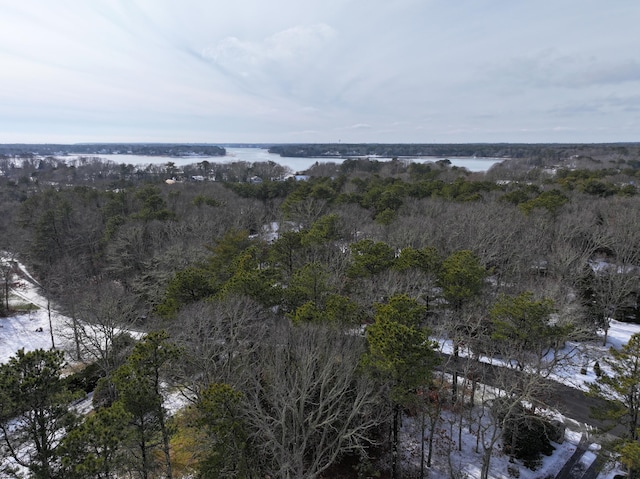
<point>218,335</point>
<point>106,314</point>
<point>308,403</point>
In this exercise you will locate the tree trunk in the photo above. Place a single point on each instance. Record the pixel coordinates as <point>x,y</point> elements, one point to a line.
<point>76,334</point>
<point>486,460</point>
<point>166,446</point>
<point>432,433</point>
<point>394,454</point>
<point>143,453</point>
<point>473,391</point>
<point>460,417</point>
<point>53,342</point>
<point>422,427</point>
<point>161,419</point>
<point>454,382</point>
<point>6,292</point>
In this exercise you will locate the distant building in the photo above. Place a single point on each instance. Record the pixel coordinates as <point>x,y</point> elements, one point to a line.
<point>297,177</point>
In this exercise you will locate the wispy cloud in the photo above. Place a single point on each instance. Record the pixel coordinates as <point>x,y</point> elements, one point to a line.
<point>284,47</point>
<point>279,64</point>
<point>552,68</point>
<point>249,70</point>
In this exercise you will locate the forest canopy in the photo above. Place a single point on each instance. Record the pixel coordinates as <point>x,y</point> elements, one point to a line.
<point>297,315</point>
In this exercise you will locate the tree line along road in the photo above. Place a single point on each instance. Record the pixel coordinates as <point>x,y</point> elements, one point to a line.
<point>568,401</point>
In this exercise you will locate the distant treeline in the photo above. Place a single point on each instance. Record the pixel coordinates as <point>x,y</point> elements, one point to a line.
<point>539,151</point>
<point>553,151</point>
<point>142,149</point>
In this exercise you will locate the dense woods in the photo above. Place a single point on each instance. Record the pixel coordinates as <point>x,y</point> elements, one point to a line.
<point>146,149</point>
<point>538,152</point>
<point>301,320</point>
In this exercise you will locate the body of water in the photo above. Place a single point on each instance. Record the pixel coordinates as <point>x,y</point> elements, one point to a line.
<point>471,164</point>
<point>301,164</point>
<point>253,155</point>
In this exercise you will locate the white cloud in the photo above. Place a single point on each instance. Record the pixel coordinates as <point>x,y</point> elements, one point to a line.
<point>410,70</point>
<point>552,68</point>
<point>286,49</point>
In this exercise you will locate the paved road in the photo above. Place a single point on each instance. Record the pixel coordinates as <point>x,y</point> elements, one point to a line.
<point>569,401</point>
<point>576,405</point>
<point>572,469</point>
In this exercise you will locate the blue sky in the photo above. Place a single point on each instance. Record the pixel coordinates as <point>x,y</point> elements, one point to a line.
<point>319,71</point>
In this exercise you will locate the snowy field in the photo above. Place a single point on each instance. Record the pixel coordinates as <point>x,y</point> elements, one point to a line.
<point>31,331</point>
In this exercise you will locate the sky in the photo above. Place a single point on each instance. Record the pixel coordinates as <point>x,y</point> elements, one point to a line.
<point>287,71</point>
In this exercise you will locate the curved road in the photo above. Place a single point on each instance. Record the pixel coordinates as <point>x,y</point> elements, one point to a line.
<point>568,401</point>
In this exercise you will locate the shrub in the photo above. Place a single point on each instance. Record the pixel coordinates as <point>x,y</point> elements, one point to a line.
<point>526,437</point>
<point>84,380</point>
<point>597,370</point>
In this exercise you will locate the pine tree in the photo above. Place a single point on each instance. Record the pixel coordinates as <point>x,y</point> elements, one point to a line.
<point>621,387</point>
<point>401,355</point>
<point>94,449</point>
<point>139,389</point>
<point>34,411</point>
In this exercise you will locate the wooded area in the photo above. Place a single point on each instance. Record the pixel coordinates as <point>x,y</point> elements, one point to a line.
<point>300,318</point>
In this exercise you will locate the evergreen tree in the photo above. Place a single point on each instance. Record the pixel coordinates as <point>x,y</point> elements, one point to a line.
<point>523,331</point>
<point>34,411</point>
<point>94,449</point>
<point>621,387</point>
<point>139,390</point>
<point>370,258</point>
<point>461,278</point>
<point>401,355</point>
<point>220,416</point>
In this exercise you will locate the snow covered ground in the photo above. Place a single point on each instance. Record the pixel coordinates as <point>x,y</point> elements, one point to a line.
<point>31,331</point>
<point>578,359</point>
<point>467,463</point>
